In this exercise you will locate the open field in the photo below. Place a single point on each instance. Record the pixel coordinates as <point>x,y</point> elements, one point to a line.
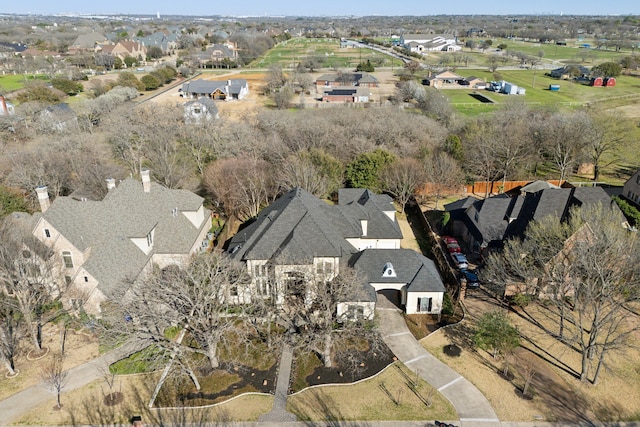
<point>569,53</point>
<point>291,52</point>
<point>537,84</point>
<point>12,82</point>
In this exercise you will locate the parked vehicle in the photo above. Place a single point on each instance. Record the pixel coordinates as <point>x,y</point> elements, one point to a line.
<point>472,279</point>
<point>449,239</point>
<point>453,248</point>
<point>460,261</point>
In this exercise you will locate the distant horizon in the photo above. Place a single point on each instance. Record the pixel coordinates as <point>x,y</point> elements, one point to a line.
<point>328,8</point>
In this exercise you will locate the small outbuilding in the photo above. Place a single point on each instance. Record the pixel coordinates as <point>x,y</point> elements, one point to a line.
<point>609,81</point>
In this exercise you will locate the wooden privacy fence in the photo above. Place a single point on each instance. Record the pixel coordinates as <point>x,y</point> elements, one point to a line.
<point>496,187</point>
<point>440,258</point>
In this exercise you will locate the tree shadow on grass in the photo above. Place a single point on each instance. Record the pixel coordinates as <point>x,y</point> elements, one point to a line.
<point>324,405</point>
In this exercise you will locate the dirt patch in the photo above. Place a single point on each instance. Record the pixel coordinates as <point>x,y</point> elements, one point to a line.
<point>631,111</point>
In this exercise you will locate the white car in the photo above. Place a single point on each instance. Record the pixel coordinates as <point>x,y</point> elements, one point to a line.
<point>460,261</point>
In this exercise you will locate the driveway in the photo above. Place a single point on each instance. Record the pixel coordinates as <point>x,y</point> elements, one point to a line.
<point>473,408</point>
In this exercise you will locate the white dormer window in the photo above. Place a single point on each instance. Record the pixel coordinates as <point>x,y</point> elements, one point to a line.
<point>388,270</point>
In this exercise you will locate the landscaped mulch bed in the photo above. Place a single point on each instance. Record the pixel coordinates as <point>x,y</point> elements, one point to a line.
<point>362,364</point>
<point>248,378</point>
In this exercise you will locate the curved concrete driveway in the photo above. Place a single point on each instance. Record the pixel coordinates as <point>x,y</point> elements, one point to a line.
<point>473,408</point>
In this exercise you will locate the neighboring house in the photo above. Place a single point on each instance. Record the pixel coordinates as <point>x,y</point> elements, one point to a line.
<point>105,245</point>
<point>87,42</point>
<point>300,238</point>
<point>200,110</point>
<point>631,189</point>
<point>346,94</point>
<point>57,118</point>
<point>485,224</point>
<point>8,50</point>
<point>422,43</point>
<point>474,82</point>
<point>125,48</point>
<point>166,43</point>
<point>445,80</point>
<point>569,71</point>
<point>222,90</point>
<point>219,54</point>
<point>327,81</point>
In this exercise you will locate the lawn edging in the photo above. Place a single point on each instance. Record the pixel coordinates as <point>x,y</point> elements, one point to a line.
<point>171,408</point>
<point>346,384</point>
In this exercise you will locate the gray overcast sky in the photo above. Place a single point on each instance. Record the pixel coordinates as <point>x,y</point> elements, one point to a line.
<point>324,7</point>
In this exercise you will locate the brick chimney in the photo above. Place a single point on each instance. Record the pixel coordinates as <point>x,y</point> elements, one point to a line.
<point>111,183</point>
<point>146,180</point>
<point>4,111</point>
<point>43,197</point>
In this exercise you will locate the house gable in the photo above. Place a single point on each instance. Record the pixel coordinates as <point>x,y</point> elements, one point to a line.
<point>114,240</point>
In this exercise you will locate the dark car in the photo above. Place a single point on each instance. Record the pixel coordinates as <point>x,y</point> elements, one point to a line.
<point>472,279</point>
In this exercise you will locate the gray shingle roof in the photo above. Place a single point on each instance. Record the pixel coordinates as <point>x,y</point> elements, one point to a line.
<point>411,267</point>
<point>298,227</point>
<point>501,217</point>
<point>106,227</point>
<point>202,87</point>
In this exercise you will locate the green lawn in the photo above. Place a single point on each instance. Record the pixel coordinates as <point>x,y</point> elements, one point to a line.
<point>569,53</point>
<point>10,83</point>
<point>626,91</point>
<point>328,51</point>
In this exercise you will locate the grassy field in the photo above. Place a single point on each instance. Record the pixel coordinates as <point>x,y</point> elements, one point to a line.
<point>626,91</point>
<point>10,83</point>
<point>570,52</point>
<point>328,51</point>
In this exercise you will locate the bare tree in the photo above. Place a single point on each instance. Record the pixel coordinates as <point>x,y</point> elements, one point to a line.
<point>442,174</point>
<point>54,376</point>
<point>190,310</point>
<point>310,314</point>
<point>605,134</point>
<point>30,278</point>
<point>402,179</point>
<point>480,152</point>
<point>564,135</point>
<point>9,333</point>
<point>311,171</point>
<point>589,279</point>
<point>240,186</point>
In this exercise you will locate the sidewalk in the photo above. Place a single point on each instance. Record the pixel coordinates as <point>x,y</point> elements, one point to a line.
<point>279,414</point>
<point>473,408</point>
<point>17,405</point>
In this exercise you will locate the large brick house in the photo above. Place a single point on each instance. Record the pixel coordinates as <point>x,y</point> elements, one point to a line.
<point>300,238</point>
